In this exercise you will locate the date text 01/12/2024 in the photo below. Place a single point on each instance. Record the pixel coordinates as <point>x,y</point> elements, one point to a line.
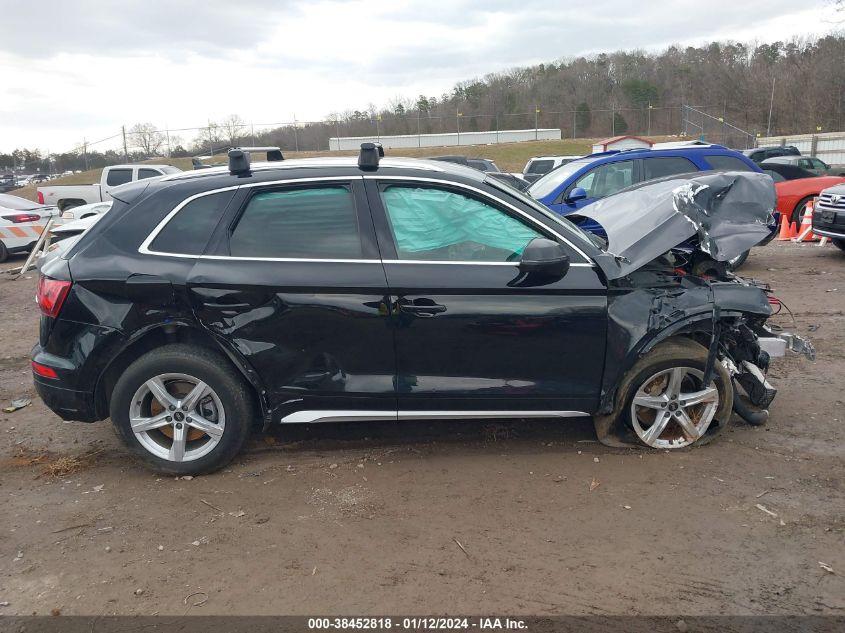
<point>417,623</point>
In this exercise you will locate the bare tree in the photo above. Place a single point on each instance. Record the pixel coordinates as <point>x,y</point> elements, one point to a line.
<point>210,137</point>
<point>232,128</point>
<point>147,138</point>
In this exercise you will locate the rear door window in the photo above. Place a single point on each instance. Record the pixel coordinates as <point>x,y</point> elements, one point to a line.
<point>148,173</point>
<point>299,223</point>
<point>667,166</point>
<point>188,232</point>
<point>118,177</point>
<point>727,163</point>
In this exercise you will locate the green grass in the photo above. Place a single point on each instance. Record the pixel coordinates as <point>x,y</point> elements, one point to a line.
<point>508,156</point>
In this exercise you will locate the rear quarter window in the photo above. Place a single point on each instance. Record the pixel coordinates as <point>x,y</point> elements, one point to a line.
<point>188,231</point>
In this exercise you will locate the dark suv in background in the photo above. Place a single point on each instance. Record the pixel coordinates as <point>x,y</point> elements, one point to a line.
<point>759,154</point>
<point>209,302</point>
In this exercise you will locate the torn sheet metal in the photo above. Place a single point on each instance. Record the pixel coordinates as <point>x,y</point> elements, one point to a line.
<point>726,212</point>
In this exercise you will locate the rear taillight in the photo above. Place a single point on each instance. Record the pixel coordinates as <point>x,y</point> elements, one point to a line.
<point>19,218</point>
<point>51,295</point>
<point>43,370</point>
<point>40,198</point>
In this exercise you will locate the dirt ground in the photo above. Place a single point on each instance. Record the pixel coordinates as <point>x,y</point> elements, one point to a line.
<point>441,518</point>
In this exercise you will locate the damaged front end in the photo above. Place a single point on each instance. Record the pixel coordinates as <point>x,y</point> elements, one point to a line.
<point>653,299</point>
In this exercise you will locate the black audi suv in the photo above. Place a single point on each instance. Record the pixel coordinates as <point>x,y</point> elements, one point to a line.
<point>210,303</point>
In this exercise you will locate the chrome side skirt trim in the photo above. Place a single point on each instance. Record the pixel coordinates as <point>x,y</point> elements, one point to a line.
<point>472,415</point>
<point>306,416</point>
<point>329,415</point>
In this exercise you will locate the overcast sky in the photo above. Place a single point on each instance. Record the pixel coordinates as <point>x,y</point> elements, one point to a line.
<point>74,69</point>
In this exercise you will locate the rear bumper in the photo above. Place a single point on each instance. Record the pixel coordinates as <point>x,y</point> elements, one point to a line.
<point>66,403</point>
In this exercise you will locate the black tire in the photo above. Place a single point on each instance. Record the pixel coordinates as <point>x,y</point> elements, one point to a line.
<point>798,211</point>
<point>616,428</point>
<point>208,366</point>
<point>737,263</point>
<point>4,252</point>
<point>837,242</point>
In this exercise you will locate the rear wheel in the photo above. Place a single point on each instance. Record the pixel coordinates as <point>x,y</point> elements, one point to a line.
<point>182,410</point>
<point>838,243</point>
<point>4,252</point>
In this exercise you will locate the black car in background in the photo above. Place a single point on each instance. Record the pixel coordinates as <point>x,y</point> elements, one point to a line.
<point>781,171</point>
<point>759,154</point>
<point>211,302</point>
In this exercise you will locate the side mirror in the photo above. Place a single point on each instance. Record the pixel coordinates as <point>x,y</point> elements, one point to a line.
<point>576,194</point>
<point>545,257</point>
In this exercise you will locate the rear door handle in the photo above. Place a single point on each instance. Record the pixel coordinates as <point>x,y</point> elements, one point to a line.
<point>422,307</point>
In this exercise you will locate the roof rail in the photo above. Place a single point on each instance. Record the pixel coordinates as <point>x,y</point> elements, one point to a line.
<point>368,158</point>
<point>239,158</point>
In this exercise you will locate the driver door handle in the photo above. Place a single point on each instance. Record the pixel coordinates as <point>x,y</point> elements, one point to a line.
<point>422,307</point>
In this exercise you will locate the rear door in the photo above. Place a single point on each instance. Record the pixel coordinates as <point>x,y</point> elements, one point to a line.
<point>472,335</point>
<point>295,283</point>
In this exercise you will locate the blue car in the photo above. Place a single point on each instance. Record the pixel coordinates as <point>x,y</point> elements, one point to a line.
<point>582,182</point>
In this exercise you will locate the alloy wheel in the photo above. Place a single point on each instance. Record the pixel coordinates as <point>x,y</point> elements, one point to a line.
<point>177,417</point>
<point>673,409</point>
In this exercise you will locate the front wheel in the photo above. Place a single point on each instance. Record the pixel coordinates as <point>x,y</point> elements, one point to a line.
<point>182,410</point>
<point>662,402</point>
<point>4,252</point>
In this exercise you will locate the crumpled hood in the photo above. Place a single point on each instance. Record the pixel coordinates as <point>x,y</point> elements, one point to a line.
<point>729,212</point>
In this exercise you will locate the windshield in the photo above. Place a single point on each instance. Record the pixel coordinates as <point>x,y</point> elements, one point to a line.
<point>551,181</point>
<point>572,230</point>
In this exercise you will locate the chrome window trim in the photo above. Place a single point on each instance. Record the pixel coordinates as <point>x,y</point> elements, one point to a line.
<point>308,416</point>
<point>144,249</point>
<point>532,222</point>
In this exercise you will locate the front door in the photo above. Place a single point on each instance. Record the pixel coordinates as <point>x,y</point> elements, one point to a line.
<point>471,336</point>
<point>297,286</point>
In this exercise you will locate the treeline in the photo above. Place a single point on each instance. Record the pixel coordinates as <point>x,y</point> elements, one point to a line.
<point>625,91</point>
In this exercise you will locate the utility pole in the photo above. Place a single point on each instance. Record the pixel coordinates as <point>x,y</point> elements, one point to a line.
<point>167,132</point>
<point>85,153</point>
<point>419,129</point>
<point>612,121</point>
<point>536,117</point>
<point>125,150</point>
<point>574,121</point>
<point>649,119</point>
<point>458,122</point>
<point>295,137</point>
<point>771,106</point>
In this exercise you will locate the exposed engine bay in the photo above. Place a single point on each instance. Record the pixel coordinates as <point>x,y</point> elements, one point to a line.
<point>667,245</point>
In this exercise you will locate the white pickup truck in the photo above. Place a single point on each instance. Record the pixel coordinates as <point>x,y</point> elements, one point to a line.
<point>69,196</point>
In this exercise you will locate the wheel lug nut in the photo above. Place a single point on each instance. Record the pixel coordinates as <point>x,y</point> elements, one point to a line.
<point>184,408</point>
<point>188,420</point>
<point>172,408</point>
<point>178,426</point>
<point>169,419</point>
